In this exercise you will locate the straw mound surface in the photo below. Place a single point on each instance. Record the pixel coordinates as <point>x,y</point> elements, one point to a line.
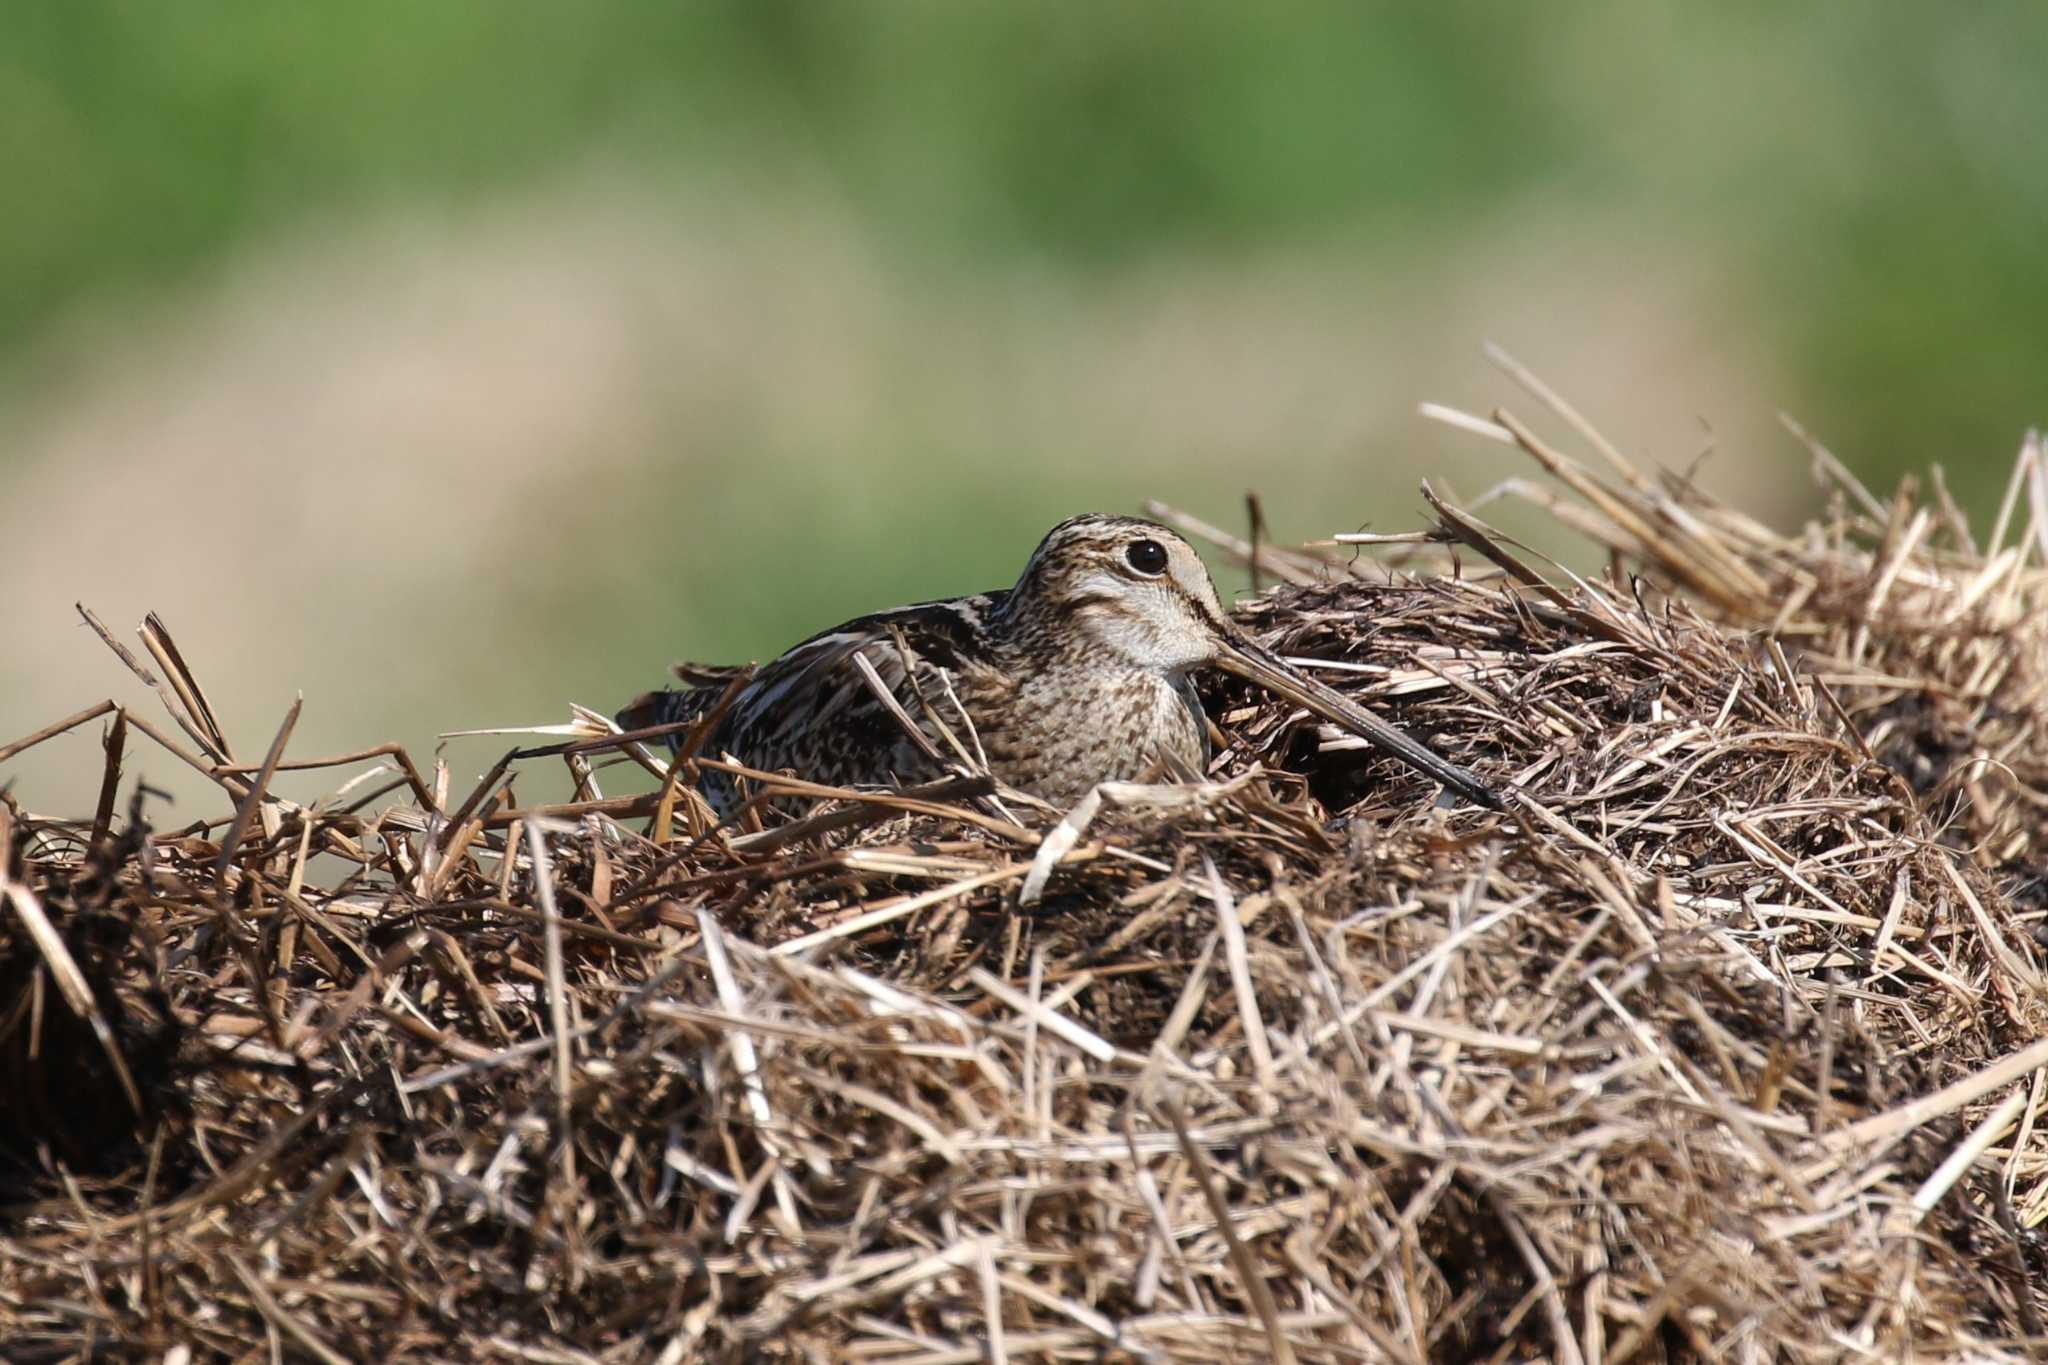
<point>1726,1042</point>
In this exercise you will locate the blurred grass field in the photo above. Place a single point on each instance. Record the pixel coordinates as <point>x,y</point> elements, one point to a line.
<point>450,362</point>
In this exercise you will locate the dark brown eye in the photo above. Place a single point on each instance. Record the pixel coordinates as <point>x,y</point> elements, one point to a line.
<point>1148,557</point>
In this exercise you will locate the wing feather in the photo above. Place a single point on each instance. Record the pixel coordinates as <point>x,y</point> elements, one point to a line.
<point>812,708</point>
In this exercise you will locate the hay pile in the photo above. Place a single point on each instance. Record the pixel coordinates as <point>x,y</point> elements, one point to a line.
<point>1727,1042</point>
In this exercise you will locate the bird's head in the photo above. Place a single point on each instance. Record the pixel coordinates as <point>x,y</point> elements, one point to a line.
<point>1134,590</point>
<point>1140,594</point>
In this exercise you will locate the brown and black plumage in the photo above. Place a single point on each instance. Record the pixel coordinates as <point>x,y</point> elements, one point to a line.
<point>1076,675</point>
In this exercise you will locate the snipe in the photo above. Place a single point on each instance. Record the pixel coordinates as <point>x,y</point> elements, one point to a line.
<point>1077,675</point>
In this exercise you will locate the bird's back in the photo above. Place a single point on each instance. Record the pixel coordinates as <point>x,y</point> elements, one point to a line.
<point>816,711</point>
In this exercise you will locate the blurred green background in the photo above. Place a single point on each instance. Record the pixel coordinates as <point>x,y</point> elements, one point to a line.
<point>448,362</point>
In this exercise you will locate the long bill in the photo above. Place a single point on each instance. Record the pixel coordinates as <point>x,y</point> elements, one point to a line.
<point>1238,654</point>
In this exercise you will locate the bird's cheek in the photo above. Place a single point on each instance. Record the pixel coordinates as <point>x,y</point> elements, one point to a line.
<point>1194,649</point>
<point>1126,636</point>
<point>1171,649</point>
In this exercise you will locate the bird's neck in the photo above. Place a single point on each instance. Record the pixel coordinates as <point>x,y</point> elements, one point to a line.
<point>1034,639</point>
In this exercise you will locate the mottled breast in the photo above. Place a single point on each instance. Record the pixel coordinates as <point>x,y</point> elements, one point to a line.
<point>1059,734</point>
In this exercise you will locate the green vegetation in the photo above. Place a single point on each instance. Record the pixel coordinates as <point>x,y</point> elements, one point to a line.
<point>1875,174</point>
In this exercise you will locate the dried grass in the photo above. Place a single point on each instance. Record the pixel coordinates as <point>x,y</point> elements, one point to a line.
<point>1727,1042</point>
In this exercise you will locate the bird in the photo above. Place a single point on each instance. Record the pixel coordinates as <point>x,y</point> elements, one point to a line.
<point>1077,675</point>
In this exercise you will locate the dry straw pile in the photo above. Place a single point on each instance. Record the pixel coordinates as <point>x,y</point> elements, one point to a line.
<point>1727,1042</point>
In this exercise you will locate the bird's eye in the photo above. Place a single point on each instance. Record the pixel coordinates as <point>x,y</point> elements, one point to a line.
<point>1148,557</point>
